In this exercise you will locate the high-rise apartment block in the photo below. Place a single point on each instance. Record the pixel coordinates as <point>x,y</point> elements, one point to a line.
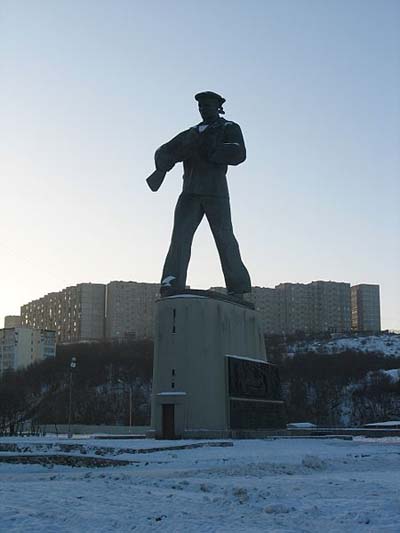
<point>125,310</point>
<point>75,313</point>
<point>331,306</point>
<point>12,321</point>
<point>294,314</point>
<point>316,307</point>
<point>266,301</point>
<point>130,309</point>
<point>365,308</point>
<point>21,347</point>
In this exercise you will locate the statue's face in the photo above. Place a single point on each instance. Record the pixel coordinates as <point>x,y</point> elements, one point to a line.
<point>209,109</point>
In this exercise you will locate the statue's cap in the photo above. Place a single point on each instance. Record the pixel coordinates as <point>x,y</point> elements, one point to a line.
<point>209,95</point>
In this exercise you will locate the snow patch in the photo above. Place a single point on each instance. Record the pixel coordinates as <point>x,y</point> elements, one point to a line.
<point>278,508</point>
<point>314,462</point>
<point>245,358</point>
<point>387,344</point>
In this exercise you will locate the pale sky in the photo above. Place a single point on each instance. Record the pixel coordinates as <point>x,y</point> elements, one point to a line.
<point>90,88</point>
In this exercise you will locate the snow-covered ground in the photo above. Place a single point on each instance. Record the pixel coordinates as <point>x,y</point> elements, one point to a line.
<point>393,375</point>
<point>285,485</point>
<point>386,344</point>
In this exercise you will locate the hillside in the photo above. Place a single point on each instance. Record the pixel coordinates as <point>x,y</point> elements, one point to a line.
<point>108,378</point>
<point>344,381</point>
<point>387,344</point>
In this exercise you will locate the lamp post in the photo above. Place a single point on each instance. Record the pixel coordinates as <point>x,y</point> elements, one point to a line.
<point>72,366</point>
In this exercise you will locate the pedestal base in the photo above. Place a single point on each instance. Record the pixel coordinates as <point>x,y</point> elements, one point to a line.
<point>210,368</point>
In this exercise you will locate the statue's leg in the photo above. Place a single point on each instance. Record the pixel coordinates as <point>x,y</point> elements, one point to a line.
<point>188,215</point>
<point>218,213</point>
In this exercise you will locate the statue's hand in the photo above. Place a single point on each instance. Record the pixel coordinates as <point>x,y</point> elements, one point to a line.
<point>155,180</point>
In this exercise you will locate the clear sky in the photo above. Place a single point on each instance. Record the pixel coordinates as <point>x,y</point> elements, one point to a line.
<point>90,88</point>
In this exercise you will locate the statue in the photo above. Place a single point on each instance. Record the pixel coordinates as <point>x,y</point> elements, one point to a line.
<point>206,150</point>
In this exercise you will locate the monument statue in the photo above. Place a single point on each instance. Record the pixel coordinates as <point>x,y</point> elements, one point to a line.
<point>206,150</point>
<point>199,387</point>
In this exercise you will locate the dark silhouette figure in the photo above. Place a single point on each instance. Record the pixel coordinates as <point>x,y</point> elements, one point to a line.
<point>206,150</point>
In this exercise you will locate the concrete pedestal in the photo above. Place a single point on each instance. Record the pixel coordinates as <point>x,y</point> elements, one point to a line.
<point>209,366</point>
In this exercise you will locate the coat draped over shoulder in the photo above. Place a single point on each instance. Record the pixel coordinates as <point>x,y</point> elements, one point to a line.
<point>205,157</point>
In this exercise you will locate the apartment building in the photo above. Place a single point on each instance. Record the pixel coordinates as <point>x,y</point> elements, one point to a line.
<point>294,307</point>
<point>316,307</point>
<point>125,310</point>
<point>266,302</point>
<point>365,308</point>
<point>12,321</point>
<point>331,307</point>
<point>22,346</point>
<point>130,310</point>
<point>75,313</point>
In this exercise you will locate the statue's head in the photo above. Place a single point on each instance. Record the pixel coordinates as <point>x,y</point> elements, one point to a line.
<point>210,105</point>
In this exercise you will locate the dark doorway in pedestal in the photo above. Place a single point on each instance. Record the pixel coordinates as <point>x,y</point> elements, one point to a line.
<point>168,421</point>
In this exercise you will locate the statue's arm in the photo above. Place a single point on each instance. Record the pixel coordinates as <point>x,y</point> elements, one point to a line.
<point>170,153</point>
<point>176,150</point>
<point>232,151</point>
<point>164,161</point>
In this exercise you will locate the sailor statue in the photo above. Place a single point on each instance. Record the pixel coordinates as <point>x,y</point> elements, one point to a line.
<point>206,150</point>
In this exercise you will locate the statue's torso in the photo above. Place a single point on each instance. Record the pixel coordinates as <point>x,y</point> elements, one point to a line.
<point>202,176</point>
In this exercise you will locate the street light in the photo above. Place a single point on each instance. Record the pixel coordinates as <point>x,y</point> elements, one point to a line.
<point>72,367</point>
